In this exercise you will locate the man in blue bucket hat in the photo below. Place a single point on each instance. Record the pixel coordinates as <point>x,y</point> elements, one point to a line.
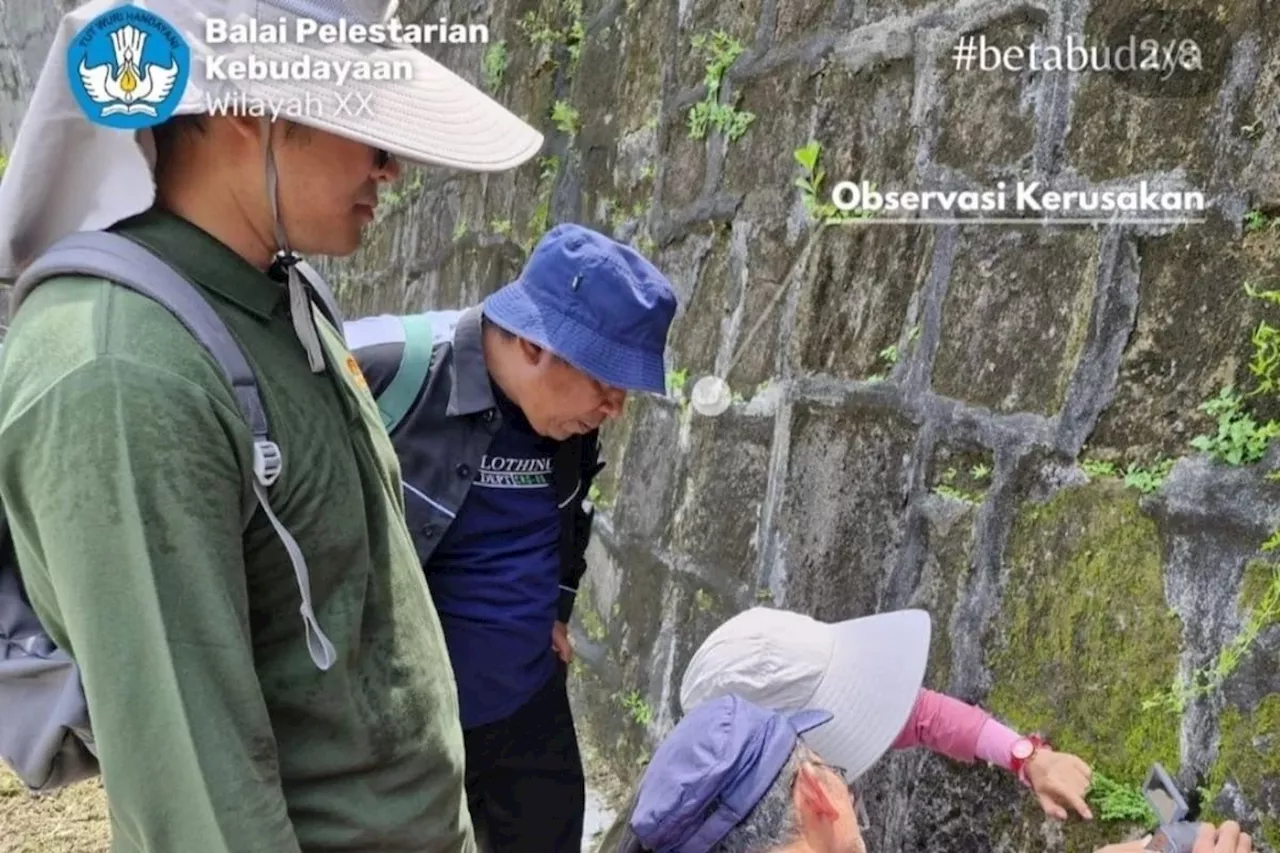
<point>495,413</point>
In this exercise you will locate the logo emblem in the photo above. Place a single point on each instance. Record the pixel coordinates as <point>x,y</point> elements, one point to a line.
<point>357,375</point>
<point>128,68</point>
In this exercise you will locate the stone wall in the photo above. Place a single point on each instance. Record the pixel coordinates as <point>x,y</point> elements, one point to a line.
<point>994,423</point>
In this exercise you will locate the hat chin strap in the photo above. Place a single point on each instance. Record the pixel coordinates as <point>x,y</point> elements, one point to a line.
<point>304,324</point>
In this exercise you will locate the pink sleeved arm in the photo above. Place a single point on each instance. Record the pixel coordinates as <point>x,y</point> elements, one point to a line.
<point>956,729</point>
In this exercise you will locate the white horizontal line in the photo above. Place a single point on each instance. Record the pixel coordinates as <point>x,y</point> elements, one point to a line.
<point>1013,220</point>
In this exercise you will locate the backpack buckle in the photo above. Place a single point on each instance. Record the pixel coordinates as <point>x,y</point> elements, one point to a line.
<point>267,461</point>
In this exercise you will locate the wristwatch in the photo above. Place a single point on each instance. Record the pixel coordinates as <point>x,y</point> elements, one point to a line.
<point>1023,749</point>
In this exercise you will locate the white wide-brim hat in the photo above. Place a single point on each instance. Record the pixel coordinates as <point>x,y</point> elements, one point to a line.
<point>67,173</point>
<point>867,672</point>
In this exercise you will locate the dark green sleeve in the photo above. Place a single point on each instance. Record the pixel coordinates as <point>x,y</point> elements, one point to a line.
<point>123,487</point>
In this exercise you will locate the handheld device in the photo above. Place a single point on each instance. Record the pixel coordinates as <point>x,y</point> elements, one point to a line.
<point>1175,834</point>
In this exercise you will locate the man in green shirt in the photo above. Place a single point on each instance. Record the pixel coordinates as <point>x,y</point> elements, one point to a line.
<point>124,462</point>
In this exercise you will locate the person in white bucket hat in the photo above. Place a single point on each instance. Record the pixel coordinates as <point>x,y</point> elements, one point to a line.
<point>869,673</point>
<point>171,526</point>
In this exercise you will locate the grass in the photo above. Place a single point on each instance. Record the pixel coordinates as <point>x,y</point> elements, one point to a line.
<point>73,820</point>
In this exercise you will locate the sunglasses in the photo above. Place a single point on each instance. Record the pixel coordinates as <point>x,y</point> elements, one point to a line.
<point>381,158</point>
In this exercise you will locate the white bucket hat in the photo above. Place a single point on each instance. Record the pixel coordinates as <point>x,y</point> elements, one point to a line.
<point>867,672</point>
<point>67,173</point>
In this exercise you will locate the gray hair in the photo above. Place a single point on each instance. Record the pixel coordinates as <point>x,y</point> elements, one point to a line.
<point>772,822</point>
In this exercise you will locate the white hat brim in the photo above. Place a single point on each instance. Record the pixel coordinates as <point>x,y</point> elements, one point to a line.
<point>871,685</point>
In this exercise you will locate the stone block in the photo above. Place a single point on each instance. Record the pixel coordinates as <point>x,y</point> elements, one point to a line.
<point>684,165</point>
<point>1015,317</point>
<point>842,510</point>
<point>1192,337</point>
<point>855,299</point>
<point>1126,123</point>
<point>772,263</point>
<point>863,122</point>
<point>760,162</point>
<point>1259,131</point>
<point>986,120</point>
<point>700,262</point>
<point>876,10</point>
<point>796,19</point>
<point>717,523</point>
<point>649,476</point>
<point>948,552</point>
<point>1083,578</point>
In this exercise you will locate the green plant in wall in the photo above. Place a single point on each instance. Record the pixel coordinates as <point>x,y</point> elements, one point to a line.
<point>565,117</point>
<point>501,227</point>
<point>494,65</point>
<point>459,230</point>
<point>1256,220</point>
<point>810,184</point>
<point>1112,800</point>
<point>1148,480</point>
<point>633,703</point>
<point>1099,468</point>
<point>1239,440</point>
<point>1265,364</point>
<point>545,31</point>
<point>4,163</point>
<point>540,218</point>
<point>721,50</point>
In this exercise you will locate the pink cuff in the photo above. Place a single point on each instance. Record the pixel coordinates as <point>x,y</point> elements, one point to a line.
<point>995,744</point>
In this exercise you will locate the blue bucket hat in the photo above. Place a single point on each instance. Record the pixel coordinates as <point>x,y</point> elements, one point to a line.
<point>594,302</point>
<point>712,769</point>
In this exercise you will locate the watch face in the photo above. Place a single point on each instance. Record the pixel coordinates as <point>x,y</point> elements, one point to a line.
<point>1022,749</point>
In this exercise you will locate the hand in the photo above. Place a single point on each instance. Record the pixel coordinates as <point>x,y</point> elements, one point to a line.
<point>1225,839</point>
<point>1060,781</point>
<point>560,642</point>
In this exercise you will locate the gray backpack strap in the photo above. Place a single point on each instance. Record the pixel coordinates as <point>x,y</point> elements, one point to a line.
<point>113,257</point>
<point>320,287</point>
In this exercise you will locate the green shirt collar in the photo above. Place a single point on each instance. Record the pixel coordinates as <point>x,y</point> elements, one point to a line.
<point>206,261</point>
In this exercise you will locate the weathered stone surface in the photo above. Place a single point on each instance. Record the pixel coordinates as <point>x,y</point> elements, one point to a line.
<point>647,492</point>
<point>1193,337</point>
<point>855,299</point>
<point>949,538</point>
<point>1015,316</point>
<point>773,267</point>
<point>760,161</point>
<point>1256,132</point>
<point>1155,126</point>
<point>700,261</point>
<point>988,122</point>
<point>1083,583</point>
<point>841,509</point>
<point>717,522</point>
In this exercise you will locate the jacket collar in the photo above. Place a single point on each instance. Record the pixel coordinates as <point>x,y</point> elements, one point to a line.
<point>470,392</point>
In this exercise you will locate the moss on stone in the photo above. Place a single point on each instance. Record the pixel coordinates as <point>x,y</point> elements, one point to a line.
<point>1088,632</point>
<point>1249,759</point>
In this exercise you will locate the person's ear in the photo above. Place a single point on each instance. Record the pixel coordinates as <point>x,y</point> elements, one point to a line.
<point>530,352</point>
<point>813,799</point>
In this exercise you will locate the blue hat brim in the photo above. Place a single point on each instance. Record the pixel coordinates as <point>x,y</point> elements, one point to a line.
<point>613,363</point>
<point>803,721</point>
